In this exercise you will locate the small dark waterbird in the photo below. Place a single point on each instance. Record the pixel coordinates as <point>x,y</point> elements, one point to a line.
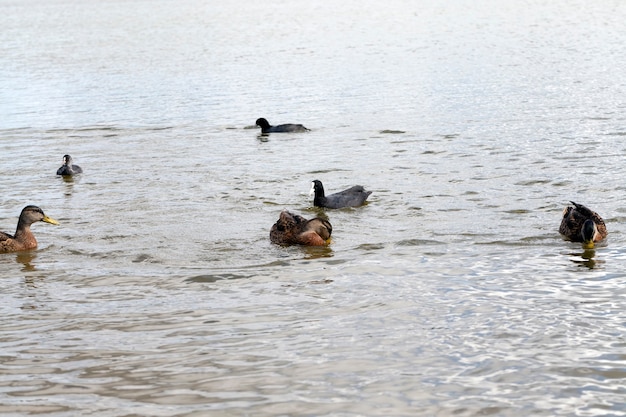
<point>68,168</point>
<point>291,229</point>
<point>24,238</point>
<point>266,127</point>
<point>580,224</point>
<point>351,197</point>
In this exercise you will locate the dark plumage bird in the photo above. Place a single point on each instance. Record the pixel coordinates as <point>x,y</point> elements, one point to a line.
<point>24,238</point>
<point>68,168</point>
<point>291,229</point>
<point>579,224</point>
<point>266,127</point>
<point>352,197</point>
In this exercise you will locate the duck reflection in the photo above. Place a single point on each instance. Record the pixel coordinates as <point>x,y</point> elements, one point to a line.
<point>587,258</point>
<point>317,252</point>
<point>26,258</point>
<point>69,179</point>
<point>33,277</point>
<point>69,184</point>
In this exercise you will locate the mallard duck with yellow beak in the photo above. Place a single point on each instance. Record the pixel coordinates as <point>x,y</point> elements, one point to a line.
<point>24,238</point>
<point>580,224</point>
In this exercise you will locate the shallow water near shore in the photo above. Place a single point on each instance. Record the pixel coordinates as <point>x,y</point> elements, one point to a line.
<point>449,293</point>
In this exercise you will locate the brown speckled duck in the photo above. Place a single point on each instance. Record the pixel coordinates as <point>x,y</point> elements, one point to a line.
<point>24,238</point>
<point>291,229</point>
<point>579,224</point>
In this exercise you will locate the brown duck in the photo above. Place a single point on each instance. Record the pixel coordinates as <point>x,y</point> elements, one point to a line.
<point>579,224</point>
<point>24,238</point>
<point>291,229</point>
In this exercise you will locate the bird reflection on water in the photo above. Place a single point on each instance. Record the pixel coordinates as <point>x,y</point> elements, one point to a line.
<point>586,258</point>
<point>26,258</point>
<point>317,252</point>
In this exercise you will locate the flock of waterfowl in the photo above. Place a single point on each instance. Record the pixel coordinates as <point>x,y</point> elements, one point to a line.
<point>579,224</point>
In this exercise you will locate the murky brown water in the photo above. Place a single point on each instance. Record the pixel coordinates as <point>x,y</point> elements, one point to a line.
<point>450,293</point>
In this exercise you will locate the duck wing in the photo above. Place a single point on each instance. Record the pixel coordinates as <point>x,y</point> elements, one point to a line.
<point>6,242</point>
<point>321,227</point>
<point>5,236</point>
<point>351,197</point>
<point>571,223</point>
<point>288,127</point>
<point>310,238</point>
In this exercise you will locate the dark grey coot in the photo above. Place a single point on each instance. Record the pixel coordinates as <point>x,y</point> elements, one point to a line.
<point>266,127</point>
<point>352,197</point>
<point>68,168</point>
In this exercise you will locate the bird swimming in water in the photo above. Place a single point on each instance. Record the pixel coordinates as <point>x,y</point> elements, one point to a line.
<point>68,168</point>
<point>352,197</point>
<point>286,128</point>
<point>24,238</point>
<point>291,229</point>
<point>579,224</point>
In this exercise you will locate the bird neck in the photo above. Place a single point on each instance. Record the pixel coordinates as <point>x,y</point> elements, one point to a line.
<point>25,236</point>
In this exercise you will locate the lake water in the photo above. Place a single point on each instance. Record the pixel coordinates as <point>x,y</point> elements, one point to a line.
<point>450,293</point>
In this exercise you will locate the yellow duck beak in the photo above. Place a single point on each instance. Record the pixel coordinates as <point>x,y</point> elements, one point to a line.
<point>588,245</point>
<point>49,220</point>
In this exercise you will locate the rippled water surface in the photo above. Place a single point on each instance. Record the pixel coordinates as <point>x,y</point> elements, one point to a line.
<point>449,293</point>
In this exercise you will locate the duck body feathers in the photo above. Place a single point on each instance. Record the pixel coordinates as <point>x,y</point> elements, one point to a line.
<point>352,197</point>
<point>580,224</point>
<point>266,127</point>
<point>24,239</point>
<point>291,229</point>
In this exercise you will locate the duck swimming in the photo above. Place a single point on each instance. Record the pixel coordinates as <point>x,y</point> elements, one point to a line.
<point>352,197</point>
<point>68,168</point>
<point>580,224</point>
<point>291,229</point>
<point>266,127</point>
<point>24,238</point>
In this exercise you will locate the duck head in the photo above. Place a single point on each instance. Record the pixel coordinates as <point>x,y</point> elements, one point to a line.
<point>588,233</point>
